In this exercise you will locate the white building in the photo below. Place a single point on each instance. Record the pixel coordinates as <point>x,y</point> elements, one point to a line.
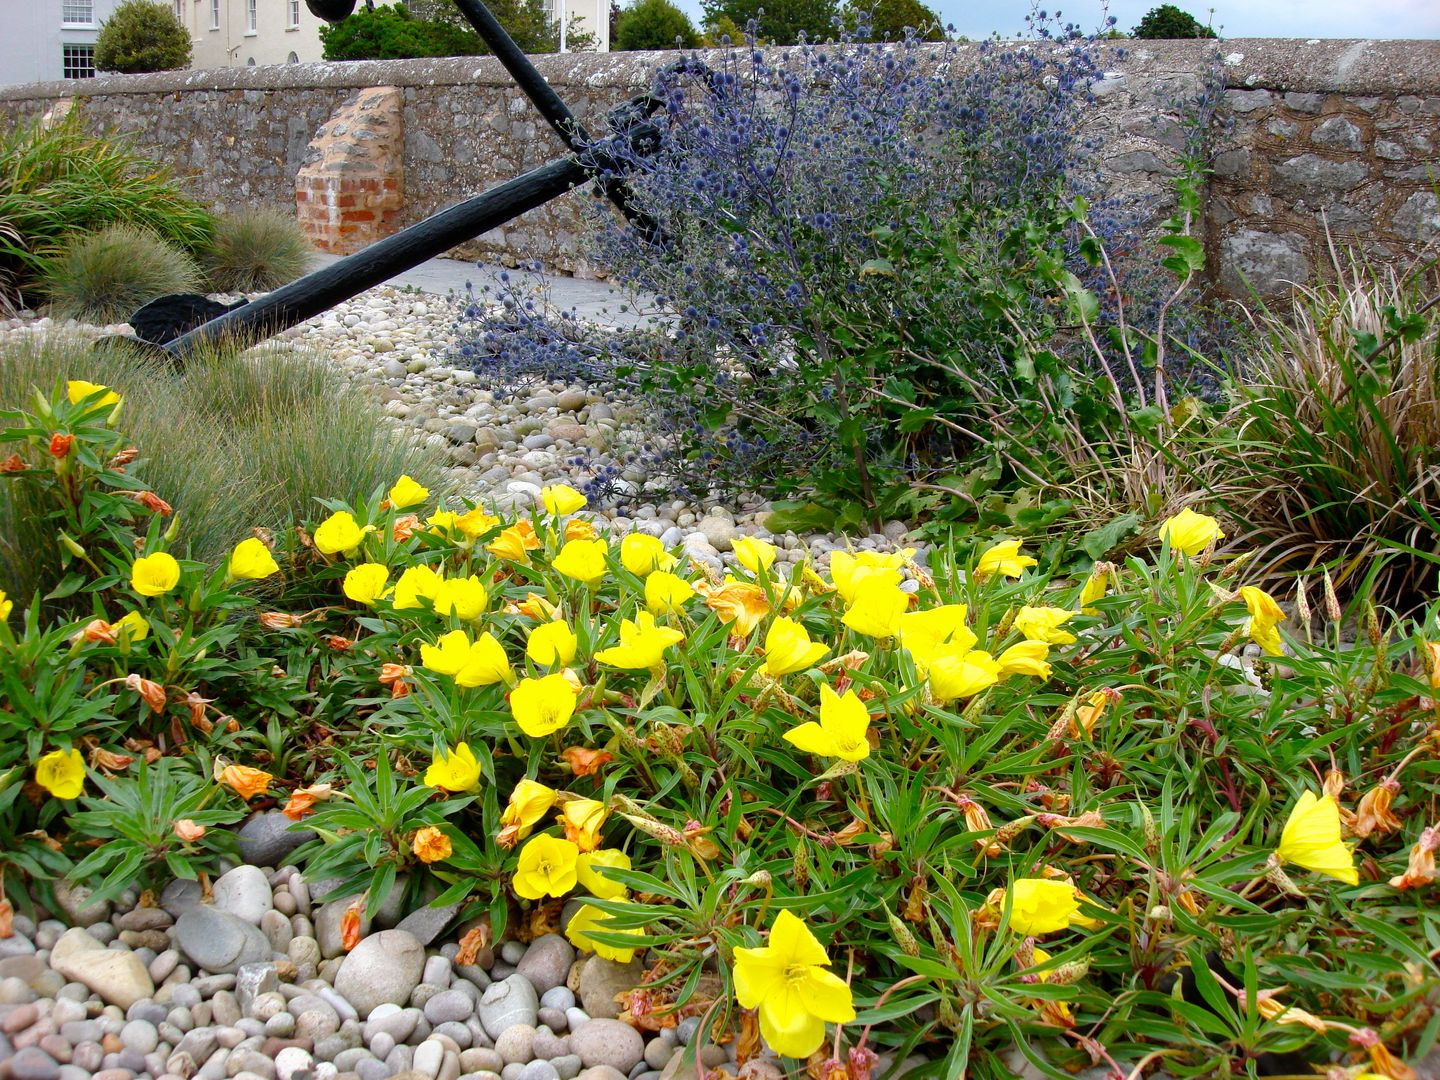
<point>43,40</point>
<point>247,33</point>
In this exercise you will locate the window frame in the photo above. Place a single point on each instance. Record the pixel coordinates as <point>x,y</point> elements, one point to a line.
<point>252,17</point>
<point>68,6</point>
<point>292,15</point>
<point>69,50</point>
<point>214,14</point>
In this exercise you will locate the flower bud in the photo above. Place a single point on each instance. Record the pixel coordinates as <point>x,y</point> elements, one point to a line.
<point>800,866</point>
<point>70,545</point>
<point>903,937</point>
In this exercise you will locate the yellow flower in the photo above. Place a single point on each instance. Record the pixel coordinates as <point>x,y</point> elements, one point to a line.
<point>476,523</point>
<point>665,594</point>
<point>582,819</point>
<point>876,608</point>
<point>642,644</point>
<point>552,643</point>
<point>247,782</point>
<point>448,655</point>
<point>786,979</point>
<point>514,542</point>
<point>960,673</point>
<point>1095,586</point>
<point>1043,905</point>
<point>1189,532</point>
<point>583,560</point>
<point>604,859</point>
<point>456,771</point>
<point>131,625</point>
<point>6,606</point>
<point>580,529</point>
<point>416,583</point>
<point>61,773</point>
<point>444,522</point>
<point>753,553</point>
<point>430,845</point>
<point>1025,658</point>
<point>155,575</point>
<point>742,602</point>
<point>546,868</point>
<point>589,918</point>
<point>466,597</point>
<point>1004,559</point>
<point>339,532</point>
<point>788,648</point>
<point>847,571</point>
<point>77,390</point>
<point>842,731</point>
<point>486,664</point>
<point>922,633</point>
<point>251,560</point>
<point>1265,617</point>
<point>407,492</point>
<point>561,499</point>
<point>530,801</point>
<point>367,583</point>
<point>642,555</point>
<point>1311,839</point>
<point>534,606</point>
<point>541,706</point>
<point>1043,624</point>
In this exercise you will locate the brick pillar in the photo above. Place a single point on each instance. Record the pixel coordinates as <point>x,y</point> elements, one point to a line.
<point>350,192</point>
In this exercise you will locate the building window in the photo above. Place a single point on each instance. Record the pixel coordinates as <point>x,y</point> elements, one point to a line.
<point>78,61</point>
<point>293,58</point>
<point>180,11</point>
<point>250,16</point>
<point>77,12</point>
<point>294,22</point>
<point>214,14</point>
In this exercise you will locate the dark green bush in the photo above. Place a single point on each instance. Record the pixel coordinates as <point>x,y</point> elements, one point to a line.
<point>142,36</point>
<point>256,251</point>
<point>778,22</point>
<point>392,33</point>
<point>1168,21</point>
<point>106,276</point>
<point>655,24</point>
<point>889,19</point>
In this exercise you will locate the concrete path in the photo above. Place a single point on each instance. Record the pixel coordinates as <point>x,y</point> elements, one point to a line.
<point>594,301</point>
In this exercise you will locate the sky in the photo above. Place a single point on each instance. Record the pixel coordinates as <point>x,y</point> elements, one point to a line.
<point>1230,18</point>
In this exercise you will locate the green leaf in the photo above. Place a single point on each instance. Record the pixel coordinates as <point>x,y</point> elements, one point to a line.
<point>1189,257</point>
<point>1098,542</point>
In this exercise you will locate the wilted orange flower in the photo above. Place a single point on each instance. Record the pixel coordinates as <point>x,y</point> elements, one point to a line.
<point>244,781</point>
<point>1381,1060</point>
<point>1088,715</point>
<point>1421,868</point>
<point>196,704</point>
<point>352,927</point>
<point>576,529</point>
<point>740,602</point>
<point>280,620</point>
<point>151,691</point>
<point>13,464</point>
<point>1268,1006</point>
<point>110,761</point>
<point>123,458</point>
<point>188,831</point>
<point>303,800</point>
<point>340,644</point>
<point>96,630</point>
<point>405,526</point>
<point>393,673</point>
<point>431,845</point>
<point>583,761</point>
<point>1373,814</point>
<point>60,445</point>
<point>154,503</point>
<point>7,919</point>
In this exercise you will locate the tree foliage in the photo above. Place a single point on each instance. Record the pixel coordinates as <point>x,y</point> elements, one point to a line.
<point>525,20</point>
<point>398,32</point>
<point>1168,21</point>
<point>142,36</point>
<point>655,24</point>
<point>779,22</point>
<point>889,19</point>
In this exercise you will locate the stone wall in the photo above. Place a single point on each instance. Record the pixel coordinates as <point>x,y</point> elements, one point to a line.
<point>1309,132</point>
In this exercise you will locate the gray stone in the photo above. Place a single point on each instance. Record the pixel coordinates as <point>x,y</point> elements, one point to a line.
<point>558,997</point>
<point>1305,103</point>
<point>539,1070</point>
<point>140,1036</point>
<point>1267,262</point>
<point>567,1066</point>
<point>547,962</point>
<point>429,1056</point>
<point>218,941</point>
<point>266,838</point>
<point>449,1005</point>
<point>428,923</point>
<point>1419,218</point>
<point>1231,163</point>
<point>1338,133</point>
<point>601,980</point>
<point>117,975</point>
<point>510,1001</point>
<point>391,1020</point>
<point>383,968</point>
<point>180,896</point>
<point>74,901</point>
<point>252,980</point>
<point>32,1063</point>
<point>277,927</point>
<point>1139,161</point>
<point>608,1042</point>
<point>1310,175</point>
<point>1247,101</point>
<point>245,893</point>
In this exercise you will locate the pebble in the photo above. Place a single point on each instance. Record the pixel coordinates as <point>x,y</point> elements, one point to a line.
<point>608,1042</point>
<point>510,1001</point>
<point>383,969</point>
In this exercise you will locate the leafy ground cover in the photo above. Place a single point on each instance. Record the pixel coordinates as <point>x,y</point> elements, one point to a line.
<point>1136,818</point>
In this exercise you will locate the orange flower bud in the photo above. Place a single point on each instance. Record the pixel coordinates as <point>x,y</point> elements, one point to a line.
<point>60,445</point>
<point>151,691</point>
<point>244,781</point>
<point>431,845</point>
<point>188,831</point>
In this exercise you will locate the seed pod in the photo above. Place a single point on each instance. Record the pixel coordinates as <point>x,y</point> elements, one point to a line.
<point>903,937</point>
<point>800,866</point>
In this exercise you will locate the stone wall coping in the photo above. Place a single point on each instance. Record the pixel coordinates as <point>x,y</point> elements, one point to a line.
<point>1306,66</point>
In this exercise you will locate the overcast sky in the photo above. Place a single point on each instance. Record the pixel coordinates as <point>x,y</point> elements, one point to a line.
<point>1231,18</point>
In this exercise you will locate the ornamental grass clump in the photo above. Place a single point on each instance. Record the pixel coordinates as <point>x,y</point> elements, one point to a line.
<point>256,251</point>
<point>994,815</point>
<point>106,276</point>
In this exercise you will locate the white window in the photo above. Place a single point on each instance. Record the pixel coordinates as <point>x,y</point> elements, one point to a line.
<point>180,11</point>
<point>214,14</point>
<point>78,61</point>
<point>250,16</point>
<point>77,12</point>
<point>294,23</point>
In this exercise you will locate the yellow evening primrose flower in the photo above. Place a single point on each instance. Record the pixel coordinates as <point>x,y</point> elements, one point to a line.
<point>1025,658</point>
<point>1189,532</point>
<point>485,665</point>
<point>740,602</point>
<point>1043,624</point>
<point>665,593</point>
<point>1096,586</point>
<point>77,390</point>
<point>155,575</point>
<point>580,529</point>
<point>1265,618</point>
<point>251,560</point>
<point>476,523</point>
<point>604,859</point>
<point>1311,839</point>
<point>642,555</point>
<point>530,801</point>
<point>61,773</point>
<point>923,632</point>
<point>6,606</point>
<point>1043,905</point>
<point>339,532</point>
<point>582,819</point>
<point>515,542</point>
<point>561,499</point>
<point>788,648</point>
<point>448,655</point>
<point>753,553</point>
<point>583,560</point>
<point>842,731</point>
<point>955,673</point>
<point>642,644</point>
<point>132,625</point>
<point>465,597</point>
<point>876,608</point>
<point>1004,559</point>
<point>416,583</point>
<point>443,522</point>
<point>552,643</point>
<point>367,583</point>
<point>541,706</point>
<point>786,979</point>
<point>407,492</point>
<point>546,868</point>
<point>848,571</point>
<point>589,918</point>
<point>456,771</point>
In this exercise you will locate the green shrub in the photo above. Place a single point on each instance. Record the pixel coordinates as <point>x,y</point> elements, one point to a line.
<point>1168,21</point>
<point>106,276</point>
<point>59,180</point>
<point>392,33</point>
<point>889,19</point>
<point>256,251</point>
<point>142,36</point>
<point>655,24</point>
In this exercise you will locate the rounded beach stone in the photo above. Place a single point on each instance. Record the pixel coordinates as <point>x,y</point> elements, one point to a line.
<point>608,1042</point>
<point>383,969</point>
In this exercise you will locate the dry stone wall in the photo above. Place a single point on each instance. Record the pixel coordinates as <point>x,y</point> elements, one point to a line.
<point>1309,134</point>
